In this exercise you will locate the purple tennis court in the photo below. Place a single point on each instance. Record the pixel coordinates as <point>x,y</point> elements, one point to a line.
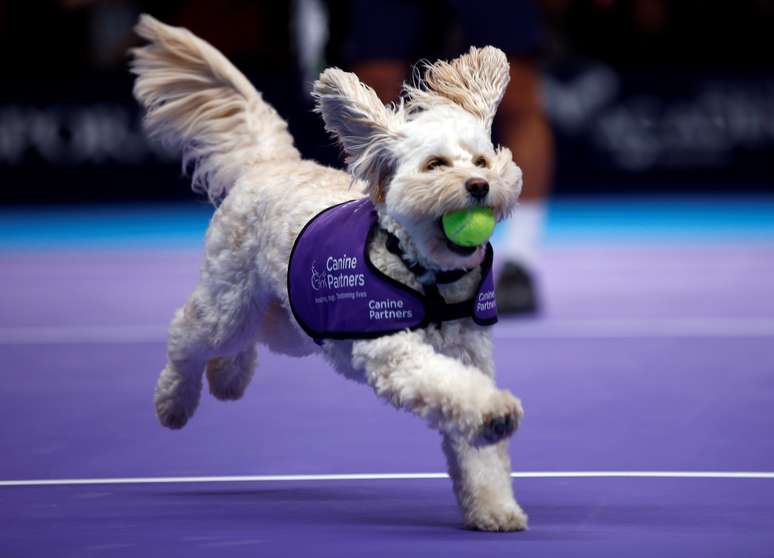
<point>647,380</point>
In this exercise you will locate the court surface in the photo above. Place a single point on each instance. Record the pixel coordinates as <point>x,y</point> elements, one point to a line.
<point>648,385</point>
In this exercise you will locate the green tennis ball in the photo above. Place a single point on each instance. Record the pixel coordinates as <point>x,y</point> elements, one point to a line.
<point>469,227</point>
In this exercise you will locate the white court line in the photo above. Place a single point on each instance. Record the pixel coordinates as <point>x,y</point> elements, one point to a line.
<point>517,329</point>
<point>394,476</point>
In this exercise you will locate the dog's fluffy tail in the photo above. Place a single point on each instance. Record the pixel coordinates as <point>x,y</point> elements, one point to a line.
<point>197,100</point>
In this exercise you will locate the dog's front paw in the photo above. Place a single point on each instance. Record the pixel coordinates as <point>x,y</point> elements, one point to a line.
<point>508,517</point>
<point>501,417</point>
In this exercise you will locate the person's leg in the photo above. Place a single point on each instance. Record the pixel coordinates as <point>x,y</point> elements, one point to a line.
<point>515,26</point>
<point>524,129</point>
<point>380,58</point>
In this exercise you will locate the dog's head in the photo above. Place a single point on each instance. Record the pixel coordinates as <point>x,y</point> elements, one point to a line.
<point>430,154</point>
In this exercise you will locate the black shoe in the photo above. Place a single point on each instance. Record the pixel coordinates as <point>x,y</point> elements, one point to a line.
<point>515,291</point>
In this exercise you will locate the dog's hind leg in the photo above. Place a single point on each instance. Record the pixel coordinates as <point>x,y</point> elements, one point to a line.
<point>481,477</point>
<point>229,376</point>
<point>213,326</point>
<point>180,383</point>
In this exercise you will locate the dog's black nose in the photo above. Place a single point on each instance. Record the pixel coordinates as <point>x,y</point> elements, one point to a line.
<point>477,187</point>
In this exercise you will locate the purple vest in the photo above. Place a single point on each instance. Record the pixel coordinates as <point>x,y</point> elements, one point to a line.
<point>336,292</point>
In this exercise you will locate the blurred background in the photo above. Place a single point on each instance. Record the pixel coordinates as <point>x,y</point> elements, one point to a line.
<point>643,96</point>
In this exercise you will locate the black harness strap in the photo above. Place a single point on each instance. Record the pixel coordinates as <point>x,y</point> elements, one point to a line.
<point>438,309</point>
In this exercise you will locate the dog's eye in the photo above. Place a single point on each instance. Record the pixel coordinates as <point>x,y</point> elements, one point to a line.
<point>436,162</point>
<point>481,162</point>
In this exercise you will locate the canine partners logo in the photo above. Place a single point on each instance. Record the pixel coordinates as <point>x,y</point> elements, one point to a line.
<point>318,279</point>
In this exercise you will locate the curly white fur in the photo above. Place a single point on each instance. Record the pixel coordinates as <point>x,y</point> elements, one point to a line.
<point>244,158</point>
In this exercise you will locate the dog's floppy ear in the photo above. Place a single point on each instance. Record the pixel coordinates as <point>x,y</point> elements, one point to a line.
<point>364,127</point>
<point>475,81</point>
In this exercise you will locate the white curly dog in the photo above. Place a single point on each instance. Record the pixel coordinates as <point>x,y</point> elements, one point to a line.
<point>415,161</point>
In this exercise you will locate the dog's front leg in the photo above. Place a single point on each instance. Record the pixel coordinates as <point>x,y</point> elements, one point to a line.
<point>456,398</point>
<point>481,476</point>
